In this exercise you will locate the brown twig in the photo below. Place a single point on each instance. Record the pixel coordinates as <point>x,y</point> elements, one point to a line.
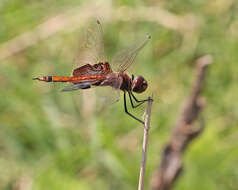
<point>145,142</point>
<point>184,132</point>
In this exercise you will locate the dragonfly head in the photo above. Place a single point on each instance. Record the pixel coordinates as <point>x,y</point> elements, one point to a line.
<point>139,84</point>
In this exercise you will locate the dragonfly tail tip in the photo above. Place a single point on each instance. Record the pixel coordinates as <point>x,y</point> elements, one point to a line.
<point>36,78</point>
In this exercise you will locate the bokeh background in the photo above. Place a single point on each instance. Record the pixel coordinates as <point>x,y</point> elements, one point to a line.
<point>52,140</point>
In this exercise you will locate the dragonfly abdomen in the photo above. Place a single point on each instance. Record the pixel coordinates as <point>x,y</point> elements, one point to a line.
<point>53,79</point>
<point>92,79</point>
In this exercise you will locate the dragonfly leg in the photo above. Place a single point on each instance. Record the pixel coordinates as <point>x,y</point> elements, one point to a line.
<point>145,100</point>
<point>132,104</point>
<point>125,106</point>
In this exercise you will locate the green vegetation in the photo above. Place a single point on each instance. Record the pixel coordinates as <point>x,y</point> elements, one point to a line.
<point>57,141</point>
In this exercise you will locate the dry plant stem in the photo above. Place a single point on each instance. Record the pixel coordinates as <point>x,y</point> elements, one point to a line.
<point>145,142</point>
<point>183,133</point>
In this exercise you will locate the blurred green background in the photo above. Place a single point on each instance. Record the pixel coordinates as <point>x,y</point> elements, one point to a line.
<point>52,140</point>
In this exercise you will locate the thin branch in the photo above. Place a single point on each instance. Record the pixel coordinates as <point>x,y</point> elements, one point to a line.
<point>184,132</point>
<point>145,142</point>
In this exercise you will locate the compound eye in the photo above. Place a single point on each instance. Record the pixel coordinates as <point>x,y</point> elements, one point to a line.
<point>139,84</point>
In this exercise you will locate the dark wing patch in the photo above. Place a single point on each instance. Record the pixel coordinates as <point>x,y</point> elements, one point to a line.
<point>77,86</point>
<point>96,69</point>
<point>82,71</point>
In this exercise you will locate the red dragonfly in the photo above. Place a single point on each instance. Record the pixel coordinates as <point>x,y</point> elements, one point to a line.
<point>98,72</point>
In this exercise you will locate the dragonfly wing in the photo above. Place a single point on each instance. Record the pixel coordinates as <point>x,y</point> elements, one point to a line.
<point>126,57</point>
<point>96,69</point>
<point>82,71</point>
<point>72,87</point>
<point>107,95</point>
<point>92,50</point>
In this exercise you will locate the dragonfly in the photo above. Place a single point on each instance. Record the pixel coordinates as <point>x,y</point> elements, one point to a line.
<point>97,72</point>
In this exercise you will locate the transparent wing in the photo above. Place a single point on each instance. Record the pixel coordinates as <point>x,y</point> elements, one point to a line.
<point>110,93</point>
<point>107,95</point>
<point>98,96</point>
<point>125,58</point>
<point>92,49</point>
